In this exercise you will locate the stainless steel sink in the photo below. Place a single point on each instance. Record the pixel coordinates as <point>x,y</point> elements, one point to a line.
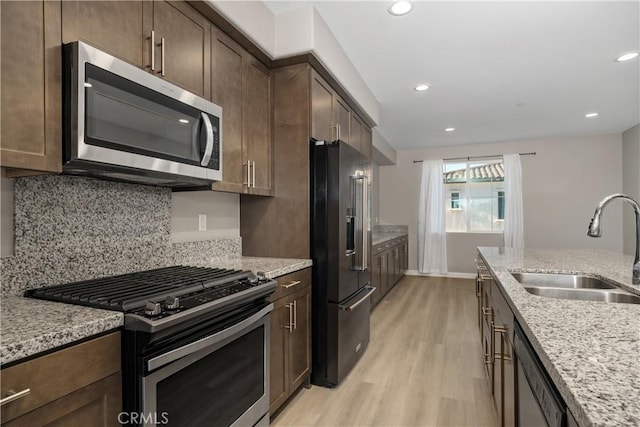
<point>574,286</point>
<point>604,295</point>
<point>570,281</point>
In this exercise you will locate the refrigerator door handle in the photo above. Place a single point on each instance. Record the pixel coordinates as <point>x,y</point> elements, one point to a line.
<point>360,230</point>
<point>369,290</point>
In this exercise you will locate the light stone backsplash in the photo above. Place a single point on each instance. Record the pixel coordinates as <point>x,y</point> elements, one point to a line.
<point>72,228</point>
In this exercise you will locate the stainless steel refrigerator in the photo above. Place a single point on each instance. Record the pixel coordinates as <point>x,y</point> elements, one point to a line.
<point>340,246</point>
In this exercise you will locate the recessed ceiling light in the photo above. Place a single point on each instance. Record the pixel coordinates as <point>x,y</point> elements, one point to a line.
<point>627,57</point>
<point>449,129</point>
<point>421,87</point>
<point>400,7</point>
<point>183,121</point>
<point>86,84</point>
<point>589,115</point>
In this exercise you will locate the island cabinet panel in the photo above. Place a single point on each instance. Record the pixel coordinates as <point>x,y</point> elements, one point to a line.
<point>243,87</point>
<point>290,337</point>
<point>111,26</point>
<point>77,386</point>
<point>31,86</point>
<point>497,334</point>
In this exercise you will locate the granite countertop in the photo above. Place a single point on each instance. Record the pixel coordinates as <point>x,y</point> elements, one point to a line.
<point>271,267</point>
<point>30,326</point>
<point>378,237</point>
<point>590,349</point>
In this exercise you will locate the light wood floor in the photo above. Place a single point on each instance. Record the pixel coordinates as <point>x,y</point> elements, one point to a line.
<point>423,366</point>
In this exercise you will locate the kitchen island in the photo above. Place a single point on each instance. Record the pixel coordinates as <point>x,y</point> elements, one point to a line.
<point>589,349</point>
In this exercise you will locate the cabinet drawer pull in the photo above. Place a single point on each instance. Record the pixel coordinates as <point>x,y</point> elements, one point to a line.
<point>291,284</point>
<point>14,396</point>
<point>487,311</point>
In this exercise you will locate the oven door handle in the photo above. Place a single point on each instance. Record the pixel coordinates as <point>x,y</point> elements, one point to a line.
<point>210,340</point>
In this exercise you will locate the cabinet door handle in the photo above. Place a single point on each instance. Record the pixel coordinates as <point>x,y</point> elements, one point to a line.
<point>487,311</point>
<point>162,56</point>
<point>248,182</point>
<point>289,326</point>
<point>478,292</point>
<point>253,174</point>
<point>153,50</point>
<point>295,314</point>
<point>502,355</point>
<point>14,396</point>
<point>291,284</point>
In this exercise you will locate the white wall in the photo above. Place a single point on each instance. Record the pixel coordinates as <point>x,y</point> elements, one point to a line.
<point>222,211</point>
<point>630,184</point>
<point>562,185</point>
<point>294,32</point>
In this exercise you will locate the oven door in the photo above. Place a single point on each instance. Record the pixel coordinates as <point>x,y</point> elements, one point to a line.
<point>219,380</point>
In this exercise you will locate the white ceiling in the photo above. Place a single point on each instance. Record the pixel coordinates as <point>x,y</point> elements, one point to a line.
<point>499,71</point>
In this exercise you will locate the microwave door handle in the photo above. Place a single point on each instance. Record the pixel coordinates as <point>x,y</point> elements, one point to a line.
<point>209,132</point>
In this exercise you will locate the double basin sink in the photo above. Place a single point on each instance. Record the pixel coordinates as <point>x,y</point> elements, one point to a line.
<point>572,286</point>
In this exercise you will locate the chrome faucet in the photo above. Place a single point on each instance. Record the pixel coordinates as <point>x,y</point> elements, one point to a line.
<point>595,231</point>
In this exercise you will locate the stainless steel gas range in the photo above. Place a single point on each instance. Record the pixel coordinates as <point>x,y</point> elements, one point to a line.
<point>195,344</point>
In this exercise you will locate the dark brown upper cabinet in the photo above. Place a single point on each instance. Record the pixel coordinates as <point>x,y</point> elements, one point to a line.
<point>242,86</point>
<point>112,26</point>
<point>169,39</point>
<point>30,86</point>
<point>330,115</point>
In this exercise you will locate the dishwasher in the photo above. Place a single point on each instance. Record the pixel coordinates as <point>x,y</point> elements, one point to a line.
<point>538,402</point>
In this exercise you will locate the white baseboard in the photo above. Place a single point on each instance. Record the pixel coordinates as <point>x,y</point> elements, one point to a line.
<point>453,275</point>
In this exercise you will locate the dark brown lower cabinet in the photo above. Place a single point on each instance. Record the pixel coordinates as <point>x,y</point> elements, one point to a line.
<point>389,261</point>
<point>290,342</point>
<point>77,386</point>
<point>496,332</point>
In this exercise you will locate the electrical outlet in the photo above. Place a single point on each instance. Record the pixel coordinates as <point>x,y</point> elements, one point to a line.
<point>202,222</point>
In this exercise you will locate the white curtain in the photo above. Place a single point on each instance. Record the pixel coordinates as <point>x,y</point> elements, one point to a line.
<point>513,212</point>
<point>432,238</point>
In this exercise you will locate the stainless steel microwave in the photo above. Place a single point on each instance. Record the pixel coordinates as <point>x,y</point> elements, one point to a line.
<point>123,123</point>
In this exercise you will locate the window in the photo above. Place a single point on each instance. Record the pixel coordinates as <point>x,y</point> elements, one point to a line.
<point>501,205</point>
<point>455,200</point>
<point>476,196</point>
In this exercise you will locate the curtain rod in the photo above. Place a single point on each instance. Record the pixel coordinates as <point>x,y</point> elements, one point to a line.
<point>533,153</point>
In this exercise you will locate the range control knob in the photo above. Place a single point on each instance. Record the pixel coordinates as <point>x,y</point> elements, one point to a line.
<point>172,303</point>
<point>253,279</point>
<point>152,308</point>
<point>261,275</point>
